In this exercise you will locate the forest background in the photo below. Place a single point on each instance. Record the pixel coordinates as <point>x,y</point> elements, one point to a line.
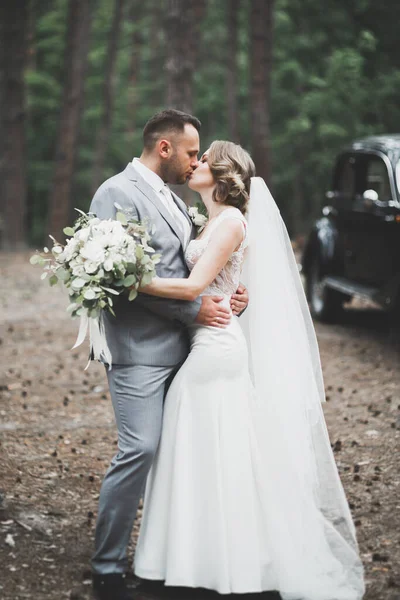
<point>292,80</point>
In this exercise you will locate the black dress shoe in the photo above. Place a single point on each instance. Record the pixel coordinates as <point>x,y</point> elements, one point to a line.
<point>111,587</point>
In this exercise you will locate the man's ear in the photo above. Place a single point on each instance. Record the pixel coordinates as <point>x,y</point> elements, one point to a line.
<point>164,148</point>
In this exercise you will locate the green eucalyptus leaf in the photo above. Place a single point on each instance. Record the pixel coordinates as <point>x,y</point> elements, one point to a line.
<point>110,290</point>
<point>68,231</point>
<point>78,283</point>
<point>130,280</point>
<point>121,218</point>
<point>62,274</point>
<point>89,294</point>
<point>131,267</point>
<point>146,279</point>
<point>132,295</point>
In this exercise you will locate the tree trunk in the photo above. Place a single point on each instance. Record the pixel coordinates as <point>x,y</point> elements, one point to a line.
<point>157,46</point>
<point>179,54</point>
<point>77,44</point>
<point>13,36</point>
<point>136,50</point>
<point>198,13</point>
<point>231,70</point>
<point>108,96</point>
<point>183,38</point>
<point>31,36</point>
<point>261,22</point>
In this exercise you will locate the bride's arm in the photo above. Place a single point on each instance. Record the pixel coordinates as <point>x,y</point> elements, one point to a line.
<point>223,242</point>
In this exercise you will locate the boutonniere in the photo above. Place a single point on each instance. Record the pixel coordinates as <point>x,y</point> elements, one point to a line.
<point>197,218</point>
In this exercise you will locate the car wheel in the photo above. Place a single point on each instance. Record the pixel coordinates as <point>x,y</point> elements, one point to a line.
<point>326,304</point>
<point>394,322</point>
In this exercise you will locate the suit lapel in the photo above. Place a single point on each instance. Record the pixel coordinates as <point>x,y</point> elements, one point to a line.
<point>151,195</point>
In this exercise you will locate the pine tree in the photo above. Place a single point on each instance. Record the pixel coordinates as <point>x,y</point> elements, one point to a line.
<point>109,82</point>
<point>261,23</point>
<point>77,44</point>
<point>13,185</point>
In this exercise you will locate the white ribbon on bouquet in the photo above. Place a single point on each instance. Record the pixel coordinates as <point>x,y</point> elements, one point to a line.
<point>98,347</point>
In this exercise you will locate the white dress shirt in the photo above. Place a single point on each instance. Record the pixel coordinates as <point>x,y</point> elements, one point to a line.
<point>164,194</point>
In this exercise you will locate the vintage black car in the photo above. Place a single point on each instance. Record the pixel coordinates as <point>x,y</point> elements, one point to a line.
<point>354,248</point>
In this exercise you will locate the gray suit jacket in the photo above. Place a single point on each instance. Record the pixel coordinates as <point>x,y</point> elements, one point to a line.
<point>149,330</point>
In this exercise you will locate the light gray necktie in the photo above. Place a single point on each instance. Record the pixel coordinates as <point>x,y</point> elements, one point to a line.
<point>173,209</point>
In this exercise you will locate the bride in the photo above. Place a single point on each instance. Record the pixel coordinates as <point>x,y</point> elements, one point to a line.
<point>244,495</point>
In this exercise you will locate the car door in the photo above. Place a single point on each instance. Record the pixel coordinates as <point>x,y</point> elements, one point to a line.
<point>372,230</point>
<point>340,212</point>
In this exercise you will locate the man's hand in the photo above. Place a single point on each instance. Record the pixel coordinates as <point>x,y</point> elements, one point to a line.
<point>240,300</point>
<point>212,313</point>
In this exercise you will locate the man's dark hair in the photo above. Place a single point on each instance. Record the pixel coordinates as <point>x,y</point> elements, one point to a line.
<point>166,121</point>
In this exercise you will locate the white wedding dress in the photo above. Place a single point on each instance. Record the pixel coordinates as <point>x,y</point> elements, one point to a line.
<point>222,510</point>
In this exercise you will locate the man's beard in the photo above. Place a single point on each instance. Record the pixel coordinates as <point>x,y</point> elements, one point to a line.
<point>171,173</point>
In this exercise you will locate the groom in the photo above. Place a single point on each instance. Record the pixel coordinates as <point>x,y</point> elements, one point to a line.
<point>148,338</point>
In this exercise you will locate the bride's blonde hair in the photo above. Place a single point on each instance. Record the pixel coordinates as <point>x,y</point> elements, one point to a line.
<point>232,168</point>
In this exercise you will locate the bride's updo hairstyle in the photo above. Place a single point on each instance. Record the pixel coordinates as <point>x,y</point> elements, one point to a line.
<point>232,168</point>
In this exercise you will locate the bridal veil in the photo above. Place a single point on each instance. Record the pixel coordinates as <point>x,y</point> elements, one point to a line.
<point>308,514</point>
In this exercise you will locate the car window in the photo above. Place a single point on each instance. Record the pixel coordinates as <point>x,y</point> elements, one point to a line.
<point>375,176</point>
<point>346,177</point>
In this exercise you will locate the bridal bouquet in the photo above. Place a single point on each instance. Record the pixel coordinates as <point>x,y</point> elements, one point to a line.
<point>101,259</point>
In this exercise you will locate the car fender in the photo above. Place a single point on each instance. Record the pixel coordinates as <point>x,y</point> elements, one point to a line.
<point>322,242</point>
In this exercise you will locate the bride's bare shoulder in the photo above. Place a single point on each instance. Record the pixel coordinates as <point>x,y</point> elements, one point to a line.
<point>229,229</point>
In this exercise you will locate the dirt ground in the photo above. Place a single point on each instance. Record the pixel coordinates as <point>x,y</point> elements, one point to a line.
<point>57,436</point>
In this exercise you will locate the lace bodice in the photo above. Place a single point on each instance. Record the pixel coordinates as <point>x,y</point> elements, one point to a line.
<point>227,281</point>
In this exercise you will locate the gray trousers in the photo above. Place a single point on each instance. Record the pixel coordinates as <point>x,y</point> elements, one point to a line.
<point>137,393</point>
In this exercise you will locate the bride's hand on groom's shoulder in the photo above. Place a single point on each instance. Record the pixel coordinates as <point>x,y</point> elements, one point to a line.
<point>240,300</point>
<point>212,313</point>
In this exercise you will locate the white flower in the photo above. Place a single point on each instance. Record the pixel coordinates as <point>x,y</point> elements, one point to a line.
<point>93,251</point>
<point>78,270</point>
<point>70,248</point>
<point>82,235</point>
<point>90,267</point>
<point>108,264</point>
<point>109,233</point>
<point>198,219</point>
